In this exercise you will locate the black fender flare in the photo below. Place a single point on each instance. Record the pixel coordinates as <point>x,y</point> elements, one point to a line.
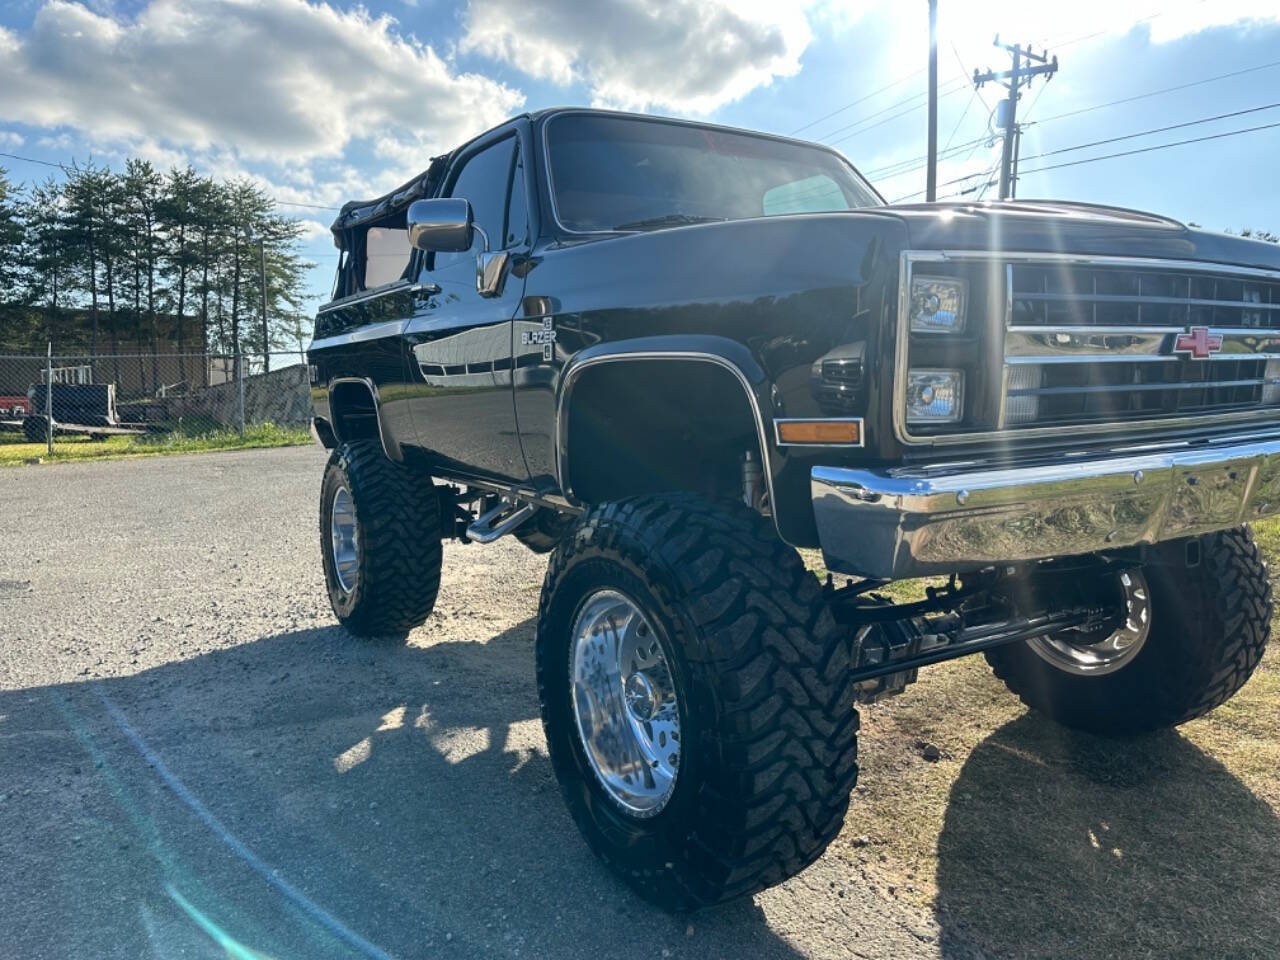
<point>389,446</point>
<point>723,352</point>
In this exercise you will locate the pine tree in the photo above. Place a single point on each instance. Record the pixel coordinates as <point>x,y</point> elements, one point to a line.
<point>177,213</point>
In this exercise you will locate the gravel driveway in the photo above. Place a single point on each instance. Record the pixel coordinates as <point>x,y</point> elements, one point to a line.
<point>196,762</point>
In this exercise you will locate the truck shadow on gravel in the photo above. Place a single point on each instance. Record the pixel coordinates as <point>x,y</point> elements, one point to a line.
<point>1063,844</point>
<point>307,795</point>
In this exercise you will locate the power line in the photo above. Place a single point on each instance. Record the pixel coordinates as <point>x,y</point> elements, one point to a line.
<point>64,169</point>
<point>888,119</point>
<point>1089,109</point>
<point>1143,96</point>
<point>914,163</point>
<point>956,129</point>
<point>848,106</point>
<point>1159,146</point>
<point>1111,156</point>
<point>948,183</point>
<point>1147,133</point>
<point>966,72</point>
<point>1102,33</point>
<point>893,106</point>
<point>1027,65</point>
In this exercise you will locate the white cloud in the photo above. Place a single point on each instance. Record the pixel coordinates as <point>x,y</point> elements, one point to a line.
<point>685,55</point>
<point>10,140</point>
<point>970,24</point>
<point>281,81</point>
<point>314,231</point>
<point>697,55</point>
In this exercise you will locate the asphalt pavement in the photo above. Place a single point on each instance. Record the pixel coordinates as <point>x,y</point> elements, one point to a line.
<point>195,761</point>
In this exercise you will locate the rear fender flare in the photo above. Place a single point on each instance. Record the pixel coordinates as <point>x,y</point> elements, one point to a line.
<point>389,445</point>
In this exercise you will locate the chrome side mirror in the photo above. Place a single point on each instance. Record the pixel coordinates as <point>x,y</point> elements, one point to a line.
<point>443,224</point>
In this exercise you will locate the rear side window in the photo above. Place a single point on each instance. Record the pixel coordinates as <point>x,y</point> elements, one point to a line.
<point>386,255</point>
<point>484,181</point>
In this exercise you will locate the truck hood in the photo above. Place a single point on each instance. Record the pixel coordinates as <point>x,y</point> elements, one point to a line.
<point>1055,226</point>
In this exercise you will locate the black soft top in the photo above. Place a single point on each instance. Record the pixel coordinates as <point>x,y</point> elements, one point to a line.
<point>362,213</point>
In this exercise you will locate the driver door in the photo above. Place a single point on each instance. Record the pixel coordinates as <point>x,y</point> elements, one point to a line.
<point>459,338</point>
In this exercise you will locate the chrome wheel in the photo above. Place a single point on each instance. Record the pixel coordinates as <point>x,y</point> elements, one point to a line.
<point>1073,653</point>
<point>625,703</point>
<point>342,527</point>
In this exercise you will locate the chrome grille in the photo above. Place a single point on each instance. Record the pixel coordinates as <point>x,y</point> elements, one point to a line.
<point>1105,340</point>
<point>1064,294</point>
<point>1100,345</point>
<point>1090,393</point>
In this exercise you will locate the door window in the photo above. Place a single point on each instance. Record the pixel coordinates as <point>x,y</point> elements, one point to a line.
<point>484,181</point>
<point>516,232</point>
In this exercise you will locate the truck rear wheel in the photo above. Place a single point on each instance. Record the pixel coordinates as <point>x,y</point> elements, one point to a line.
<point>1194,633</point>
<point>380,540</point>
<point>696,697</point>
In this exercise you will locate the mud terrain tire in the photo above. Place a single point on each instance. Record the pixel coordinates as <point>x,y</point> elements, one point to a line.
<point>768,731</point>
<point>1209,627</point>
<point>397,542</point>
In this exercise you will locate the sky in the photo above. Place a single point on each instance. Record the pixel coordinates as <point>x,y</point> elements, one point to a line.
<point>322,102</point>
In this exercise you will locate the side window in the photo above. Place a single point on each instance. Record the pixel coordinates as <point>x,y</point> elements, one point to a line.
<point>483,181</point>
<point>386,253</point>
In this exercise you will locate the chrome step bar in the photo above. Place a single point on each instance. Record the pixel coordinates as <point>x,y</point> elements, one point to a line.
<point>499,521</point>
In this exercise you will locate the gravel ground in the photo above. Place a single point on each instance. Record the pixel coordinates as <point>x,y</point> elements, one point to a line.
<point>196,762</point>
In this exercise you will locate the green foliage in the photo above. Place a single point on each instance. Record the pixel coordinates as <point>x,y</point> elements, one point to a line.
<point>188,438</point>
<point>1266,235</point>
<point>107,262</point>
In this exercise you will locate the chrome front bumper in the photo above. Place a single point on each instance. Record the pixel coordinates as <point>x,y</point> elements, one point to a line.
<point>906,523</point>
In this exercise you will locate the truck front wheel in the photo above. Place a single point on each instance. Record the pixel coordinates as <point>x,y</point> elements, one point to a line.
<point>1197,620</point>
<point>380,541</point>
<point>696,697</point>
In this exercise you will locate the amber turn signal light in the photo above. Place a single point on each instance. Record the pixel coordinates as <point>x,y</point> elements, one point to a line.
<point>845,433</point>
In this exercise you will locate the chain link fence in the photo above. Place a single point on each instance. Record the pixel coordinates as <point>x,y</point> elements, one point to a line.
<point>86,404</point>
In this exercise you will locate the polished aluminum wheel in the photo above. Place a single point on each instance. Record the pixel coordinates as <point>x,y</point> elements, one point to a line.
<point>624,702</point>
<point>342,527</point>
<point>1074,653</point>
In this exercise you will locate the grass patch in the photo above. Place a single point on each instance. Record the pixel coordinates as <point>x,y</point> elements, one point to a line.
<point>14,451</point>
<point>1028,839</point>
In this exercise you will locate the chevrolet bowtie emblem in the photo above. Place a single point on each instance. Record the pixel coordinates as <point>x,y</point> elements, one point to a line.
<point>1198,342</point>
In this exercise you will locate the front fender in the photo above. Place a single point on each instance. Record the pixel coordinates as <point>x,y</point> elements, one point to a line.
<point>723,352</point>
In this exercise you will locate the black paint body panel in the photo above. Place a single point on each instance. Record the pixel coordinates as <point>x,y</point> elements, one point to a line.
<point>803,307</point>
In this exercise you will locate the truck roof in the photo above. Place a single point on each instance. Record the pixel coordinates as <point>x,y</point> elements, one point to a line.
<point>356,213</point>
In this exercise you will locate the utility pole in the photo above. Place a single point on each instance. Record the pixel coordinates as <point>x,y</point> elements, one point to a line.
<point>1017,152</point>
<point>262,276</point>
<point>931,178</point>
<point>1037,64</point>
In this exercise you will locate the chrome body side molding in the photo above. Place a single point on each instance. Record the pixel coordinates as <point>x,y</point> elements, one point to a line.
<point>400,286</point>
<point>899,523</point>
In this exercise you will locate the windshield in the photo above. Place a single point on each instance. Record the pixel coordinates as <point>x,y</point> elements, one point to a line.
<point>630,173</point>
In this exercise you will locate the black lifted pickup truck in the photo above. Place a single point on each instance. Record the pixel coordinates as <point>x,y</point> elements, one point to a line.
<point>674,355</point>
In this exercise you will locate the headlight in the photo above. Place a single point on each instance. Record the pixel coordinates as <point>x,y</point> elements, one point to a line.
<point>1023,409</point>
<point>935,396</point>
<point>938,304</point>
<point>1271,382</point>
